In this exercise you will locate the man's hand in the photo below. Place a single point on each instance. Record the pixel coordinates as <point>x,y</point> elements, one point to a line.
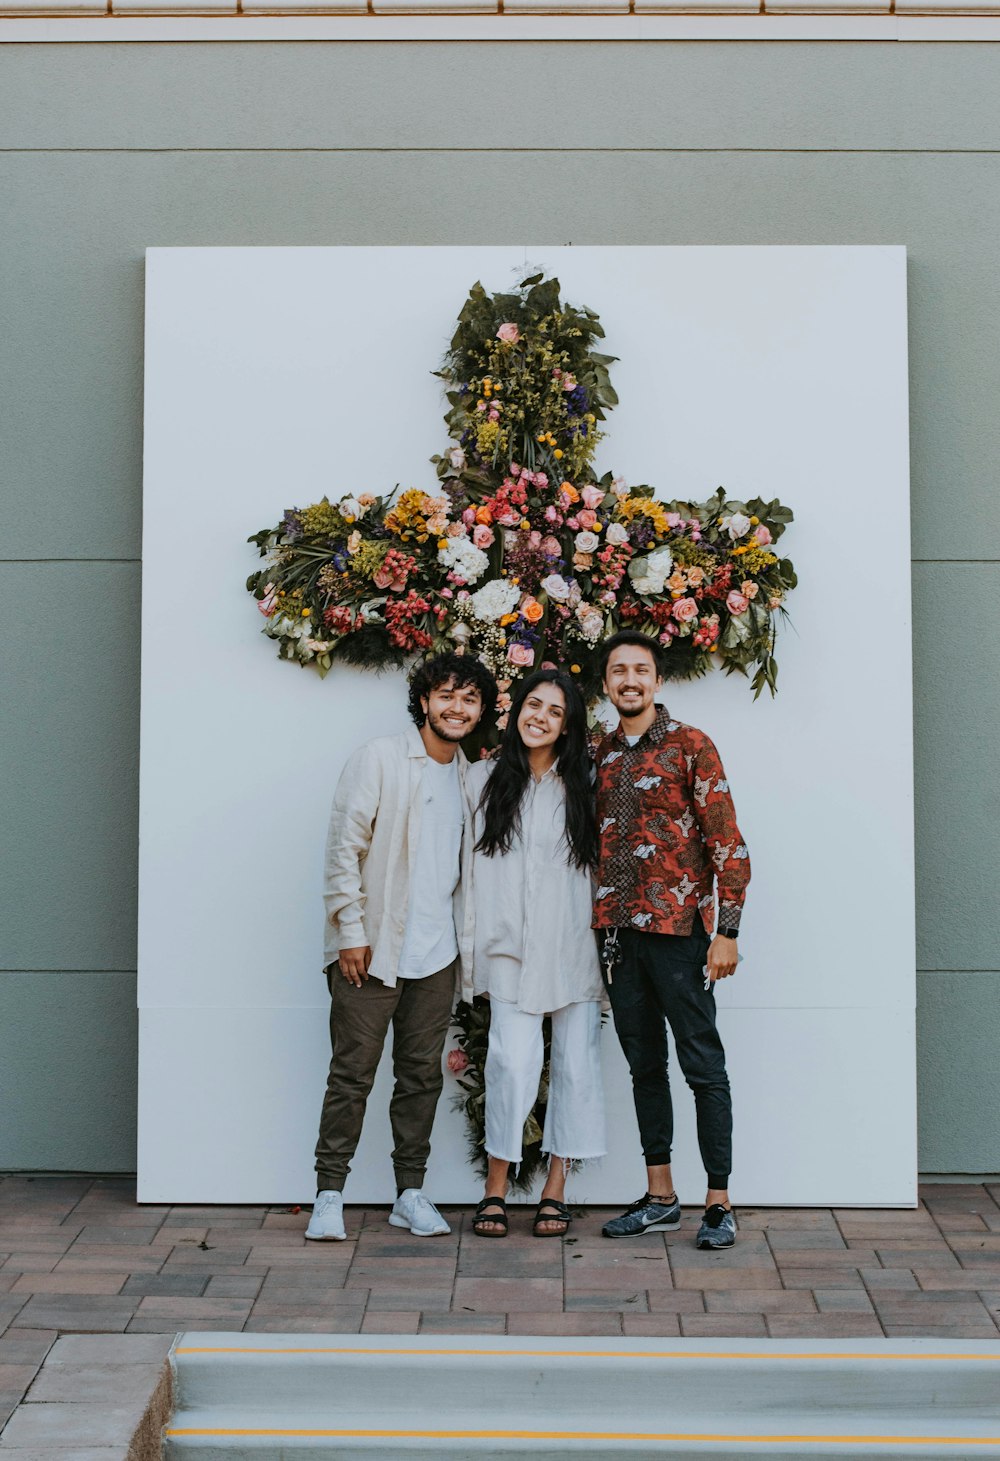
<point>723,955</point>
<point>354,964</point>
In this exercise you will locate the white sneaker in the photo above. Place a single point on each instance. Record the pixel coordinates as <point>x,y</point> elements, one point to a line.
<point>327,1221</point>
<point>415,1211</point>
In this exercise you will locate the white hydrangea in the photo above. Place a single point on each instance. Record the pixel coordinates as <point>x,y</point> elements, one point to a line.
<point>464,559</point>
<point>495,599</point>
<point>650,574</point>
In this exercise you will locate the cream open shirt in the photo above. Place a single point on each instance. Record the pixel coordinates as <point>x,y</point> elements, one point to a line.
<point>534,946</point>
<point>374,833</point>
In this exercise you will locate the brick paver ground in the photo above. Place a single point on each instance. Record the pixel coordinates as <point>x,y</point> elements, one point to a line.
<point>77,1255</point>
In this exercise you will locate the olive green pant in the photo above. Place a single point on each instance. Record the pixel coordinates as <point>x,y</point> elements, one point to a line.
<point>419,1011</point>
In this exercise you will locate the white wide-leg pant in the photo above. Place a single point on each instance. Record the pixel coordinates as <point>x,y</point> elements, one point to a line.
<point>574,1116</point>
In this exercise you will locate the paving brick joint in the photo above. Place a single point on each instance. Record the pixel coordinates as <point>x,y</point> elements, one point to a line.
<point>79,1256</point>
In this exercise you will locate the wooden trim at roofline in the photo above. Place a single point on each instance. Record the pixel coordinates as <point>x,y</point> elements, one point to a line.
<point>45,25</point>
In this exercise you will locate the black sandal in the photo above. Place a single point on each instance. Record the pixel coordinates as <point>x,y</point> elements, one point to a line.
<point>498,1218</point>
<point>557,1212</point>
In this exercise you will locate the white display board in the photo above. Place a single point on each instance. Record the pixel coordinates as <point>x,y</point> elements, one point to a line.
<point>275,376</point>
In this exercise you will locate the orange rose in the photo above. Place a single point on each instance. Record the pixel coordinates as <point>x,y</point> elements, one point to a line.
<point>484,515</point>
<point>571,492</point>
<point>532,610</point>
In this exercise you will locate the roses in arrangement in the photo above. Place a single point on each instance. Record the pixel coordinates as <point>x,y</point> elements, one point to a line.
<point>523,555</point>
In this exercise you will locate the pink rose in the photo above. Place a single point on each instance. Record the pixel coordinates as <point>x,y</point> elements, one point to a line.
<point>763,535</point>
<point>447,593</point>
<point>534,537</point>
<point>592,497</point>
<point>509,333</point>
<point>552,514</point>
<point>737,603</point>
<point>673,519</point>
<point>550,546</point>
<point>482,536</point>
<point>469,516</point>
<point>522,655</point>
<point>587,542</point>
<point>587,518</point>
<point>685,609</point>
<point>573,523</point>
<point>457,1061</point>
<point>549,664</point>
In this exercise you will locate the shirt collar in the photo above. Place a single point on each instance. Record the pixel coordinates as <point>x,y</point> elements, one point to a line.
<point>655,732</point>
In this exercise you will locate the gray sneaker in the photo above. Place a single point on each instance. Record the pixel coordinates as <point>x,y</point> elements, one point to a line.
<point>718,1228</point>
<point>645,1216</point>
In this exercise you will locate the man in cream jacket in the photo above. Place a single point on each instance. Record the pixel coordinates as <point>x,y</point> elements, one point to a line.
<point>397,930</point>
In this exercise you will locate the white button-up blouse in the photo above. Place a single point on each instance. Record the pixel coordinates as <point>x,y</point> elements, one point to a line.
<point>534,946</point>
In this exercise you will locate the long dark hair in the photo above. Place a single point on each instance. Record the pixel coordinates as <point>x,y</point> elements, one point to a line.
<point>503,793</point>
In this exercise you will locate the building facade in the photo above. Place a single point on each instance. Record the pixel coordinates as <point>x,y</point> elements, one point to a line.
<point>395,126</point>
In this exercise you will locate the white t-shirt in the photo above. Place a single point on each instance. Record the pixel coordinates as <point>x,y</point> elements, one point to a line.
<point>429,941</point>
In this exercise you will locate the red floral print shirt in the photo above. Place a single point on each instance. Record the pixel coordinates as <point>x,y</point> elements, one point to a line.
<point>668,833</point>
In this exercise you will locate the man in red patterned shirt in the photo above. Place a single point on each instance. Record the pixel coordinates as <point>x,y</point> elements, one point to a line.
<point>668,836</point>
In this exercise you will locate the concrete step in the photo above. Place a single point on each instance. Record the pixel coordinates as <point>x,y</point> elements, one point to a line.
<point>351,1397</point>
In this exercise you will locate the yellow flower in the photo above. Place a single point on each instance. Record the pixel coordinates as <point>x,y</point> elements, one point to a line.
<point>575,669</point>
<point>525,524</point>
<point>557,454</point>
<point>306,613</point>
<point>754,521</point>
<point>507,619</point>
<point>442,542</point>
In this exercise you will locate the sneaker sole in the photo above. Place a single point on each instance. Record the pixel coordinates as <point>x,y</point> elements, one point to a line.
<point>326,1237</point>
<point>710,1247</point>
<point>660,1227</point>
<point>400,1222</point>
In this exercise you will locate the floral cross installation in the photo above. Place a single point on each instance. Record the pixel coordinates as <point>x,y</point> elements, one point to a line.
<point>523,556</point>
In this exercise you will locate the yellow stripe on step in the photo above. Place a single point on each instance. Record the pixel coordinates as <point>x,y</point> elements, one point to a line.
<point>584,1354</point>
<point>413,1435</point>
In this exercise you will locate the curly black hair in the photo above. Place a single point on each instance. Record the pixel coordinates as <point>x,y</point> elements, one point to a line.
<point>459,670</point>
<point>642,641</point>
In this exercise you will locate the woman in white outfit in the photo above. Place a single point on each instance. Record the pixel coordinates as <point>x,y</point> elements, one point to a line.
<point>535,952</point>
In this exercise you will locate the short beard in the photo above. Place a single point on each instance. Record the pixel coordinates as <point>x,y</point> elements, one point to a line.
<point>630,714</point>
<point>443,732</point>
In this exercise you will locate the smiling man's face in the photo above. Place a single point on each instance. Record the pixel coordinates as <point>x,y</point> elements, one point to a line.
<point>631,680</point>
<point>452,711</point>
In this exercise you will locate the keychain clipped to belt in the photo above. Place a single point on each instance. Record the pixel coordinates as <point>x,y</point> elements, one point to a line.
<point>611,952</point>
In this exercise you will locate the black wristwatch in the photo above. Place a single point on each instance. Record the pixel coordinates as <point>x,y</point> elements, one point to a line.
<point>728,932</point>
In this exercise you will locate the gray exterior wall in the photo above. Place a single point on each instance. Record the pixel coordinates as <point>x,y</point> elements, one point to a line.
<point>110,148</point>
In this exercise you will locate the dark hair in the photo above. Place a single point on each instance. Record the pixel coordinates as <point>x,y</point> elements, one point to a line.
<point>503,793</point>
<point>444,669</point>
<point>641,641</point>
